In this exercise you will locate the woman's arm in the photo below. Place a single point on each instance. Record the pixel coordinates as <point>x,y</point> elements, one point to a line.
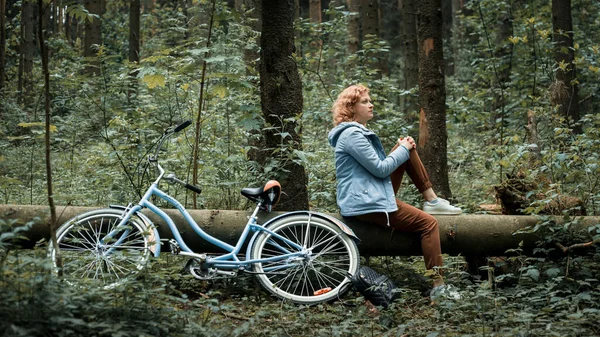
<point>358,146</point>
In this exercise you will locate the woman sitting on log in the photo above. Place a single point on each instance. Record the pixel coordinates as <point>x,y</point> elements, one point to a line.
<point>368,179</point>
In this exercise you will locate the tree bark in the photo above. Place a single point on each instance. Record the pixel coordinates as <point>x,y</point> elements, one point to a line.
<point>535,157</point>
<point>474,235</point>
<point>134,44</point>
<point>53,224</point>
<point>564,53</point>
<point>27,49</point>
<point>281,100</point>
<point>2,51</point>
<point>433,134</point>
<point>315,11</point>
<point>410,55</point>
<point>198,127</point>
<point>503,59</point>
<point>354,26</point>
<point>447,18</point>
<point>92,36</point>
<point>369,13</point>
<point>409,41</point>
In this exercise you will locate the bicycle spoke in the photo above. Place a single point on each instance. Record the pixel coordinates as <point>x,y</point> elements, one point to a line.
<point>90,252</point>
<point>321,274</point>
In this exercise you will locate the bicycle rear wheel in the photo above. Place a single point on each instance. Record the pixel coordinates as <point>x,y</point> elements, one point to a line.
<point>92,247</point>
<point>321,276</point>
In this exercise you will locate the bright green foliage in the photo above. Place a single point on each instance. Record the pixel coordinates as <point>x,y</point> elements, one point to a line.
<point>104,132</point>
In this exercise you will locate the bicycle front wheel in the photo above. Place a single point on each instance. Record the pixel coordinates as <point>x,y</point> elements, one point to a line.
<point>93,246</point>
<point>322,275</point>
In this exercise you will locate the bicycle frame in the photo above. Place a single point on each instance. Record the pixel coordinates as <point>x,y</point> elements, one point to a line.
<point>225,261</point>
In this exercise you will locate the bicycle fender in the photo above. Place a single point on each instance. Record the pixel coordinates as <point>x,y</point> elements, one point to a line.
<point>149,224</point>
<point>347,230</point>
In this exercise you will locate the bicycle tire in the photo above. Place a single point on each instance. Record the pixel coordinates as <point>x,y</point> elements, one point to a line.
<point>87,253</point>
<point>322,276</point>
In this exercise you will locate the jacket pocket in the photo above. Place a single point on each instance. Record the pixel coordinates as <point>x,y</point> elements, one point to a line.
<point>366,195</point>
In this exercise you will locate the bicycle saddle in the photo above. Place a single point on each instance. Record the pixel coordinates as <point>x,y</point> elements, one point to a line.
<point>267,195</point>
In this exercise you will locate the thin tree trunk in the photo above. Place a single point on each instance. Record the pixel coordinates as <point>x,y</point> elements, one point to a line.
<point>44,55</point>
<point>564,54</point>
<point>281,100</point>
<point>200,104</point>
<point>27,49</point>
<point>250,13</point>
<point>68,23</point>
<point>2,53</point>
<point>134,44</point>
<point>535,157</point>
<point>60,11</point>
<point>432,95</point>
<point>503,59</point>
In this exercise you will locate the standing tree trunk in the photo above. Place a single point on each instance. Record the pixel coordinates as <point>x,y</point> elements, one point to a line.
<point>134,44</point>
<point>447,18</point>
<point>411,55</point>
<point>201,103</point>
<point>354,26</point>
<point>27,48</point>
<point>411,52</point>
<point>433,135</point>
<point>503,59</point>
<point>369,12</point>
<point>315,12</point>
<point>281,100</point>
<point>93,36</point>
<point>250,14</point>
<point>46,72</point>
<point>2,52</point>
<point>565,92</point>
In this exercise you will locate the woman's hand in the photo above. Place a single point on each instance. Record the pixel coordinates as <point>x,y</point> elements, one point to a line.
<point>407,142</point>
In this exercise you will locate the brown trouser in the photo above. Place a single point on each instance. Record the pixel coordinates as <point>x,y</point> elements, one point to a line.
<point>409,218</point>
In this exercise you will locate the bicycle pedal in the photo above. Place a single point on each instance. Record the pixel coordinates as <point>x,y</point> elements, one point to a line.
<point>174,246</point>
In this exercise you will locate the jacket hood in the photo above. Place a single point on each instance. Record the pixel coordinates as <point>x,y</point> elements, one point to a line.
<point>335,133</point>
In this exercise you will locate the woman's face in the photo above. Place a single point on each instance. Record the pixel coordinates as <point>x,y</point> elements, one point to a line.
<point>363,109</point>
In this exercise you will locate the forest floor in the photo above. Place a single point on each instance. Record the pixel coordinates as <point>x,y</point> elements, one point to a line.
<point>535,303</point>
<point>533,297</point>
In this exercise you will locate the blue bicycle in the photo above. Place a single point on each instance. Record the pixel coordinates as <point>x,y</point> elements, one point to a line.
<point>302,256</point>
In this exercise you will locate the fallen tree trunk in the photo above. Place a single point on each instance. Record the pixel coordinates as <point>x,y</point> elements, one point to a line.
<point>469,235</point>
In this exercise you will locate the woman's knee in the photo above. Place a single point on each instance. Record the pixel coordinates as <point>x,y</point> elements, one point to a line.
<point>431,223</point>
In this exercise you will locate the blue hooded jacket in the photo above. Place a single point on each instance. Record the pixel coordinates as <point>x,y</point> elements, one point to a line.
<point>363,170</point>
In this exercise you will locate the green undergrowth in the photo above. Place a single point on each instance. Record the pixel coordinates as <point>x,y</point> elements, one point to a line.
<point>522,296</point>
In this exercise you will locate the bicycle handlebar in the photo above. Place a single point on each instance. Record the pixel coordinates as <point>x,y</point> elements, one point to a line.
<point>182,126</point>
<point>193,188</point>
<point>166,135</point>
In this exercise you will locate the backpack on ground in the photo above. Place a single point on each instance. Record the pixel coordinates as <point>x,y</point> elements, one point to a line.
<point>376,288</point>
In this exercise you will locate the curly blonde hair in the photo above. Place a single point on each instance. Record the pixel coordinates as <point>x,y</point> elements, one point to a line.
<point>343,107</point>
